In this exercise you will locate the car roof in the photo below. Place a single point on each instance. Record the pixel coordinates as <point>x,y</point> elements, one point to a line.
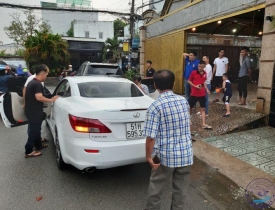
<point>104,64</point>
<point>84,79</point>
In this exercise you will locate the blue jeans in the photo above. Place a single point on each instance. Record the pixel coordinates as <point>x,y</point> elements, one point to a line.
<point>207,99</point>
<point>34,139</point>
<point>187,90</point>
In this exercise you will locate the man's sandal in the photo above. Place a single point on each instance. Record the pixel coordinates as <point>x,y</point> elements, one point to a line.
<point>44,140</point>
<point>207,127</point>
<point>33,154</point>
<point>43,146</point>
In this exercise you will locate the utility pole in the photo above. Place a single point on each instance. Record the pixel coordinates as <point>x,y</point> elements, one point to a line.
<point>132,21</point>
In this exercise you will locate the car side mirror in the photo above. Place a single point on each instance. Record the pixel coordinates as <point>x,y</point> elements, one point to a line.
<point>60,93</point>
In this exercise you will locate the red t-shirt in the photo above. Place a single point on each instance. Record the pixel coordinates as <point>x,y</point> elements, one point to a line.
<point>198,79</point>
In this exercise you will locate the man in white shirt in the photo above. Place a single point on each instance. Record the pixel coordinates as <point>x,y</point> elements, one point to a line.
<point>220,67</point>
<point>209,75</point>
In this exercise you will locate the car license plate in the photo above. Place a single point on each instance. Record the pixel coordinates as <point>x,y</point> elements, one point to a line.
<point>134,130</point>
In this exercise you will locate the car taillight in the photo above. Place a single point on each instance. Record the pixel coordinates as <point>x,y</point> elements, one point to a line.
<point>85,125</point>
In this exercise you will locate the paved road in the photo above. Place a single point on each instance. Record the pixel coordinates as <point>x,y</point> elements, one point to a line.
<point>123,188</point>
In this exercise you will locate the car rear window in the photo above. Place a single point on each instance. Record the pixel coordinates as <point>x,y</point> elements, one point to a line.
<point>104,70</point>
<point>109,90</point>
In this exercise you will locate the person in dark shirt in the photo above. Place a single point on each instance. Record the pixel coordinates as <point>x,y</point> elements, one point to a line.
<point>34,100</point>
<point>4,81</point>
<point>226,86</point>
<point>150,71</point>
<point>9,71</point>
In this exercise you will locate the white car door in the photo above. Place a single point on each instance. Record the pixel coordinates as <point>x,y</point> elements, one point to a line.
<point>12,111</point>
<point>63,90</point>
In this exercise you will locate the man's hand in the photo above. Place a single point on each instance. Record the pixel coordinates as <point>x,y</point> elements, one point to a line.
<point>208,92</point>
<point>54,98</point>
<point>152,164</point>
<point>197,86</point>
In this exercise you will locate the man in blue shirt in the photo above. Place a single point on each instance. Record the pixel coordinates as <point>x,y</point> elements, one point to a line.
<point>168,136</point>
<point>191,64</point>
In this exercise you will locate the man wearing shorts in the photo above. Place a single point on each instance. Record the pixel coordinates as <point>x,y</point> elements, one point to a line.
<point>197,81</point>
<point>220,67</point>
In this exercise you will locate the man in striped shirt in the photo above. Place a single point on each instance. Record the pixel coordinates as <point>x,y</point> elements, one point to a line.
<point>167,128</point>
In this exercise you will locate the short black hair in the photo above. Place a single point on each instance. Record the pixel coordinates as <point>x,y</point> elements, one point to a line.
<point>221,50</point>
<point>226,75</point>
<point>245,48</point>
<point>207,56</point>
<point>202,62</point>
<point>138,78</point>
<point>41,67</point>
<point>194,52</point>
<point>164,79</point>
<point>149,62</point>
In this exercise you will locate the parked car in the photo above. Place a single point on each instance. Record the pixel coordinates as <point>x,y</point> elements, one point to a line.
<point>12,66</point>
<point>96,123</point>
<point>88,68</point>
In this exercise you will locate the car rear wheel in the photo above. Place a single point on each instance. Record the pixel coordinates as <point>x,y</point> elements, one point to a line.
<point>59,160</point>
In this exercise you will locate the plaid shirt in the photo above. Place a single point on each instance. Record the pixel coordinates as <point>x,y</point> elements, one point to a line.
<point>168,122</point>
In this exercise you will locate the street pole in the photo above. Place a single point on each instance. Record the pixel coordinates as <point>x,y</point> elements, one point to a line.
<point>132,19</point>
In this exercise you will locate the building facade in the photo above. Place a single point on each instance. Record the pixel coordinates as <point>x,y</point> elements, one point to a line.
<point>207,25</point>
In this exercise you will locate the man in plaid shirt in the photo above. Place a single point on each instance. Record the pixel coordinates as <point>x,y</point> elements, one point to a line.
<point>167,127</point>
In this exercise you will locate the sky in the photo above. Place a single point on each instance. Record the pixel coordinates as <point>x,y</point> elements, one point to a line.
<point>112,5</point>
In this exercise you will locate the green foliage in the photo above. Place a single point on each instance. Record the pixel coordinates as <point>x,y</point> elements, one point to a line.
<point>47,48</point>
<point>70,32</point>
<point>130,74</point>
<point>112,46</point>
<point>20,29</point>
<point>3,52</point>
<point>119,27</point>
<point>20,52</point>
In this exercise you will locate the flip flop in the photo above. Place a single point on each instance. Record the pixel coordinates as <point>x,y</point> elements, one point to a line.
<point>207,127</point>
<point>43,146</point>
<point>226,115</point>
<point>44,140</point>
<point>33,154</point>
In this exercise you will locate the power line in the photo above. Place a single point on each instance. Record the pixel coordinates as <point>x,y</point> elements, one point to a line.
<point>7,5</point>
<point>148,4</point>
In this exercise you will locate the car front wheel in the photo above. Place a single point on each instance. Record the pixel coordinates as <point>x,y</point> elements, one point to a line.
<point>59,160</point>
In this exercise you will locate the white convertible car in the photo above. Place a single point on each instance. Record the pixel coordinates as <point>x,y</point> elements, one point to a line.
<point>96,123</point>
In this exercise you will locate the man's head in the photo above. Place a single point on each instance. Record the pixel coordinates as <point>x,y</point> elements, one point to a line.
<point>206,59</point>
<point>70,66</point>
<point>148,64</point>
<point>192,55</point>
<point>42,72</point>
<point>7,68</point>
<point>20,66</point>
<point>221,53</point>
<point>201,66</point>
<point>137,80</point>
<point>164,80</point>
<point>244,51</point>
<point>225,76</point>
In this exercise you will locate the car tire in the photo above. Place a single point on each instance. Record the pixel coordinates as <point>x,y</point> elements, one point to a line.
<point>59,160</point>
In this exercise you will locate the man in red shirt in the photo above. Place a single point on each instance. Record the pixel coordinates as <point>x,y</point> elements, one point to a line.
<point>197,81</point>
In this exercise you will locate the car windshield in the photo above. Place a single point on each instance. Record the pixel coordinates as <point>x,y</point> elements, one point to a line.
<point>109,90</point>
<point>104,70</point>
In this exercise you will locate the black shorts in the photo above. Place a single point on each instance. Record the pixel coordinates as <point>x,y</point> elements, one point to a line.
<point>194,100</point>
<point>218,81</point>
<point>226,99</point>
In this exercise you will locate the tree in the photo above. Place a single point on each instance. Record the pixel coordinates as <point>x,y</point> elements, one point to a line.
<point>47,48</point>
<point>70,32</point>
<point>119,27</point>
<point>111,46</point>
<point>20,30</point>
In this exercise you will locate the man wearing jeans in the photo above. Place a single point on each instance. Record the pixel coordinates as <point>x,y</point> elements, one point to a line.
<point>244,75</point>
<point>167,127</point>
<point>34,101</point>
<point>191,64</point>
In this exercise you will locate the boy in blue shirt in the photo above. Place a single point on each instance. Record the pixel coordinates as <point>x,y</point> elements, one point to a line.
<point>226,87</point>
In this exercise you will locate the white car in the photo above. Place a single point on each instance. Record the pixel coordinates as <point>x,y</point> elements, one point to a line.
<point>96,123</point>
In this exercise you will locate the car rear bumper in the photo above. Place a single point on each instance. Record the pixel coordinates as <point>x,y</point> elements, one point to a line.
<point>111,154</point>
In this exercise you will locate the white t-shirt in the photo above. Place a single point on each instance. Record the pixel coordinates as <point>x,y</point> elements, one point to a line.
<point>30,78</point>
<point>220,66</point>
<point>209,73</point>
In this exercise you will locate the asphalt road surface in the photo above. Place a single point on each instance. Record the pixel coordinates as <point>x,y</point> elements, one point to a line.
<point>123,188</point>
